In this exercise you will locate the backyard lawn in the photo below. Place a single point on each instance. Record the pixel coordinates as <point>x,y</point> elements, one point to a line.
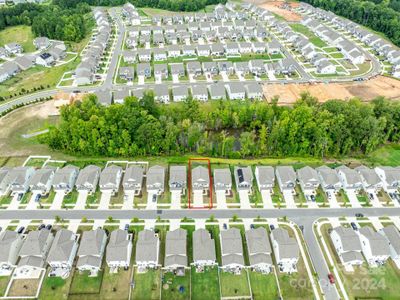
<point>309,34</point>
<point>205,285</point>
<point>175,287</point>
<point>83,284</point>
<point>116,285</point>
<point>20,34</point>
<point>147,285</point>
<point>234,285</point>
<point>3,284</point>
<point>55,288</point>
<point>263,286</point>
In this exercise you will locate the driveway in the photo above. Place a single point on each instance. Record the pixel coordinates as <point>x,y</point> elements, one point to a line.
<point>175,200</point>
<point>375,200</point>
<point>221,199</point>
<point>174,224</point>
<point>57,201</point>
<point>200,223</point>
<point>14,203</point>
<point>224,76</point>
<point>140,80</point>
<point>353,198</point>
<point>149,224</point>
<point>128,201</point>
<point>81,201</point>
<point>32,204</point>
<point>105,200</point>
<point>289,199</point>
<point>244,200</point>
<point>175,78</point>
<point>198,199</point>
<point>73,225</point>
<point>267,199</point>
<point>332,200</point>
<point>150,203</point>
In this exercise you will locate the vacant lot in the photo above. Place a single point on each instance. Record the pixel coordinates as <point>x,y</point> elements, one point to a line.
<point>24,288</point>
<point>277,7</point>
<point>366,90</point>
<point>21,34</point>
<point>205,285</point>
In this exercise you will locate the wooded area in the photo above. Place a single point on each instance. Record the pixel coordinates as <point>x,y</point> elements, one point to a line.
<point>225,128</point>
<point>52,21</point>
<point>379,17</point>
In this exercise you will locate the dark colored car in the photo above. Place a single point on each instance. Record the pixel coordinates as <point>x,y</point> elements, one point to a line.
<point>41,226</point>
<point>21,230</point>
<point>354,226</point>
<point>331,279</point>
<point>359,215</point>
<point>272,227</point>
<point>49,226</point>
<point>225,226</point>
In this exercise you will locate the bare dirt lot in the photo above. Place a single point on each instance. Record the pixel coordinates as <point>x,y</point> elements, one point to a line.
<point>366,90</point>
<point>24,288</point>
<point>282,9</point>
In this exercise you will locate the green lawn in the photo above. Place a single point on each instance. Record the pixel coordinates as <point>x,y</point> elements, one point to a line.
<point>205,285</point>
<point>3,284</point>
<point>387,155</point>
<point>309,34</point>
<point>83,284</point>
<point>20,34</point>
<point>234,285</point>
<point>55,288</point>
<point>172,284</point>
<point>147,285</point>
<point>263,286</point>
<point>115,285</point>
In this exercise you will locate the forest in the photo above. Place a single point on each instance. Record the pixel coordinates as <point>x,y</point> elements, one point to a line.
<point>225,128</point>
<point>379,17</point>
<point>172,5</point>
<point>52,21</point>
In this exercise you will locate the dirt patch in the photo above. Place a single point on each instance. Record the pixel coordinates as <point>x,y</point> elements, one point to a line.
<point>24,288</point>
<point>366,90</point>
<point>283,9</point>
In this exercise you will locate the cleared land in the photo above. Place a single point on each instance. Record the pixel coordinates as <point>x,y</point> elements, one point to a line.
<point>365,90</point>
<point>20,34</point>
<point>276,8</point>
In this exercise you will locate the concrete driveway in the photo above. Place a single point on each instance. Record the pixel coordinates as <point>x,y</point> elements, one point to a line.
<point>105,200</point>
<point>175,200</point>
<point>353,198</point>
<point>128,201</point>
<point>221,200</point>
<point>244,199</point>
<point>150,203</point>
<point>57,201</point>
<point>267,199</point>
<point>332,200</point>
<point>198,199</point>
<point>375,200</point>
<point>32,204</point>
<point>14,202</point>
<point>81,201</point>
<point>289,199</point>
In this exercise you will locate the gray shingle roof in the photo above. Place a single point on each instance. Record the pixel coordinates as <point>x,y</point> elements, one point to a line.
<point>62,175</point>
<point>7,239</point>
<point>109,175</point>
<point>89,174</point>
<point>266,175</point>
<point>91,242</point>
<point>175,248</point>
<point>118,246</point>
<point>369,175</point>
<point>133,175</point>
<point>146,246</point>
<point>393,236</point>
<point>222,177</point>
<point>62,246</point>
<point>231,247</point>
<point>288,247</point>
<point>177,176</point>
<point>350,240</point>
<point>286,173</point>
<point>203,246</point>
<point>329,175</point>
<point>378,243</point>
<point>34,243</point>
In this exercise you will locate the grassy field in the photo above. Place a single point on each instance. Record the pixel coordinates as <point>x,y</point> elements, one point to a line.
<point>172,285</point>
<point>83,284</point>
<point>3,284</point>
<point>147,285</point>
<point>263,286</point>
<point>20,34</point>
<point>234,285</point>
<point>205,285</point>
<point>55,288</point>
<point>115,285</point>
<point>309,34</point>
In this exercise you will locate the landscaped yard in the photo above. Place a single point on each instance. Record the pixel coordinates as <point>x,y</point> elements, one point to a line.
<point>83,284</point>
<point>20,34</point>
<point>263,286</point>
<point>116,285</point>
<point>55,288</point>
<point>175,287</point>
<point>3,284</point>
<point>234,285</point>
<point>205,285</point>
<point>147,285</point>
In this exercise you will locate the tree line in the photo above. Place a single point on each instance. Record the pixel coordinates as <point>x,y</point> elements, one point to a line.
<point>379,17</point>
<point>172,5</point>
<point>225,128</point>
<point>52,21</point>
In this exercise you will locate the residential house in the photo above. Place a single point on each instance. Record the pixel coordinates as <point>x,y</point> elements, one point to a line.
<point>203,50</point>
<point>161,93</point>
<point>232,250</point>
<point>286,177</point>
<point>110,179</point>
<point>91,251</point>
<point>286,250</point>
<point>175,251</point>
<point>4,181</point>
<point>62,253</point>
<point>257,67</point>
<point>104,96</point>
<point>180,93</point>
<point>200,179</point>
<point>160,71</point>
<point>41,43</point>
<point>64,179</point>
<point>159,54</point>
<point>143,69</point>
<point>390,177</point>
<point>236,91</point>
<point>40,182</point>
<point>14,48</point>
<point>155,180</point>
<point>232,49</point>
<point>217,91</point>
<point>308,180</point>
<point>265,177</point>
<point>254,91</point>
<point>10,245</point>
<point>177,179</point>
<point>210,68</point>
<point>347,245</point>
<point>194,68</point>
<point>392,235</point>
<point>126,73</point>
<point>329,179</point>
<point>226,67</point>
<point>120,95</point>
<point>144,55</point>
<point>223,181</point>
<point>147,250</point>
<point>370,180</point>
<point>243,178</point>
<point>375,247</point>
<point>119,249</point>
<point>19,179</point>
<point>259,249</point>
<point>242,67</point>
<point>177,69</point>
<point>199,92</point>
<point>203,249</point>
<point>174,51</point>
<point>133,180</point>
<point>88,179</point>
<point>350,178</point>
<point>45,60</point>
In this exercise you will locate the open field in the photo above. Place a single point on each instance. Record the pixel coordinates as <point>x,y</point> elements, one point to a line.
<point>276,8</point>
<point>20,34</point>
<point>366,90</point>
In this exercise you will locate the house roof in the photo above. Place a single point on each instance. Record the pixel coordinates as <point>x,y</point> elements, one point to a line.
<point>392,174</point>
<point>41,176</point>
<point>350,256</point>
<point>35,242</point>
<point>378,243</point>
<point>217,90</point>
<point>306,174</point>
<point>147,246</point>
<point>266,175</point>
<point>89,174</point>
<point>199,90</point>
<point>7,238</point>
<point>177,175</point>
<point>351,175</point>
<point>286,173</point>
<point>236,87</point>
<point>175,247</point>
<point>203,246</point>
<point>64,174</point>
<point>288,247</point>
<point>62,247</point>
<point>18,175</point>
<point>222,177</point>
<point>133,174</point>
<point>369,175</point>
<point>109,175</point>
<point>156,175</point>
<point>200,174</point>
<point>31,261</point>
<point>91,242</point>
<point>89,260</point>
<point>118,246</point>
<point>328,175</point>
<point>254,88</point>
<point>393,236</point>
<point>350,240</point>
<point>231,247</point>
<point>180,91</point>
<point>258,246</point>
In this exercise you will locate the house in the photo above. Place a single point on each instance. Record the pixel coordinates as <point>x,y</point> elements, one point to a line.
<point>254,91</point>
<point>126,73</point>
<point>199,92</point>
<point>144,55</point>
<point>223,181</point>
<point>161,71</point>
<point>87,179</point>
<point>286,177</point>
<point>203,50</point>
<point>189,50</point>
<point>194,68</point>
<point>180,93</point>
<point>232,250</point>
<point>374,246</point>
<point>243,178</point>
<point>10,245</point>
<point>25,62</point>
<point>257,67</point>
<point>232,49</point>
<point>347,245</point>
<point>177,179</point>
<point>174,51</point>
<point>14,48</point>
<point>19,179</point>
<point>259,47</point>
<point>155,180</point>
<point>147,250</point>
<point>161,93</point>
<point>143,69</point>
<point>390,178</point>
<point>110,179</point>
<point>245,47</point>
<point>265,177</point>
<point>226,66</point>
<point>62,253</point>
<point>259,249</point>
<point>370,180</point>
<point>326,67</point>
<point>33,253</point>
<point>41,43</point>
<point>159,54</point>
<point>175,251</point>
<point>129,57</point>
<point>274,47</point>
<point>64,179</point>
<point>45,60</point>
<point>91,251</point>
<point>210,68</point>
<point>217,91</point>
<point>3,53</point>
<point>4,181</point>
<point>392,235</point>
<point>119,249</point>
<point>236,91</point>
<point>133,180</point>
<point>120,95</point>
<point>329,179</point>
<point>286,250</point>
<point>217,49</point>
<point>177,69</point>
<point>242,67</point>
<point>349,178</point>
<point>40,182</point>
<point>203,249</point>
<point>8,70</point>
<point>308,180</point>
<point>200,179</point>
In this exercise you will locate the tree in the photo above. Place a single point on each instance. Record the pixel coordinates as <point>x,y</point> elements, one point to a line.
<point>57,219</point>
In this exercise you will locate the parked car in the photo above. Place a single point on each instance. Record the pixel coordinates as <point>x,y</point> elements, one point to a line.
<point>331,279</point>
<point>41,226</point>
<point>49,226</point>
<point>20,195</point>
<point>154,199</point>
<point>126,227</point>
<point>21,230</point>
<point>359,215</point>
<point>312,198</point>
<point>354,226</point>
<point>252,226</point>
<point>37,198</point>
<point>225,226</point>
<point>272,227</point>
